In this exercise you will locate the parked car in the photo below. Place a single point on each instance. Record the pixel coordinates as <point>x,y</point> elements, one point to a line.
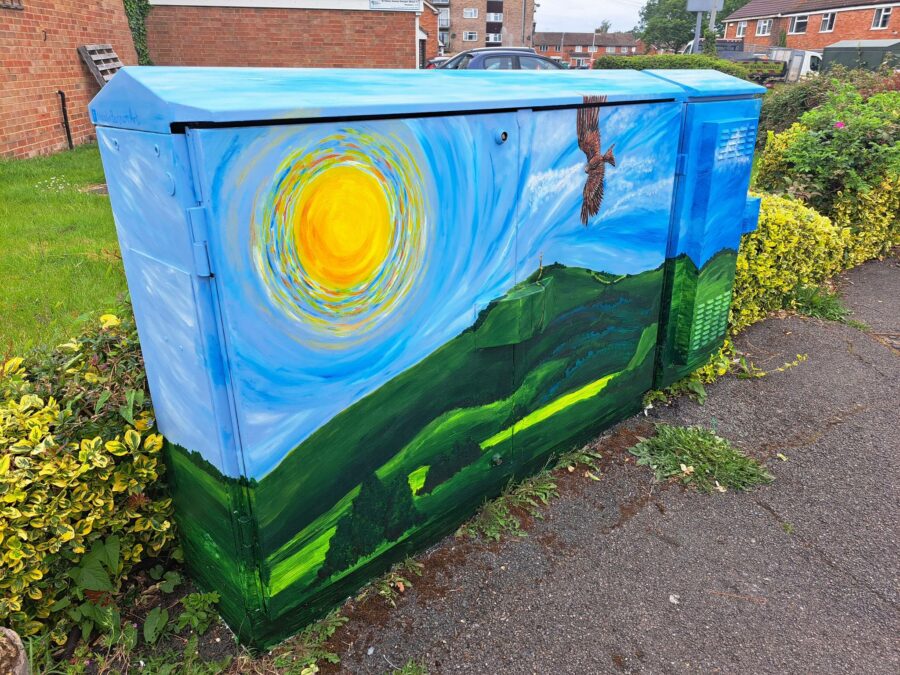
<point>436,62</point>
<point>500,58</point>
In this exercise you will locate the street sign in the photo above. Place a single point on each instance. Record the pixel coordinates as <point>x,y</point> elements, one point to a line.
<point>397,5</point>
<point>704,5</point>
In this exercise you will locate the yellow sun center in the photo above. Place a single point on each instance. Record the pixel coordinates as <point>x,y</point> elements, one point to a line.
<point>342,228</point>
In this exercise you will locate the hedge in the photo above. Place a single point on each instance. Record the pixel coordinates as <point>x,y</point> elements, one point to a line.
<point>79,463</point>
<point>669,62</point>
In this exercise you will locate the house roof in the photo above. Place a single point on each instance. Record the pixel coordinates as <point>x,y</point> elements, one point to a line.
<point>767,8</point>
<point>155,98</point>
<point>574,39</point>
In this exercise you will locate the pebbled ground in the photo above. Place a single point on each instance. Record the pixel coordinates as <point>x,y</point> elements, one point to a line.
<point>627,576</point>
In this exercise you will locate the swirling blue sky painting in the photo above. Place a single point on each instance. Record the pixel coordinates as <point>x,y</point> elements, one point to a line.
<point>321,316</point>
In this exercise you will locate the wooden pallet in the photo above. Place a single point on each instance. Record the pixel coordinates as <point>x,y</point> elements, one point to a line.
<point>101,60</point>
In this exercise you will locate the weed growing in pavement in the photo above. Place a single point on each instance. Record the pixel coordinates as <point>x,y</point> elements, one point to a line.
<point>502,515</point>
<point>581,457</point>
<point>391,585</point>
<point>411,668</point>
<point>697,456</point>
<point>821,303</point>
<point>301,653</point>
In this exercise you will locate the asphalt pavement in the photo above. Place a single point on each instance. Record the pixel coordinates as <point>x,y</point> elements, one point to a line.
<point>624,575</point>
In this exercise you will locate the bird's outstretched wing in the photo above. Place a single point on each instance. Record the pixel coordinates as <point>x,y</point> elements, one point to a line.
<point>592,195</point>
<point>588,126</point>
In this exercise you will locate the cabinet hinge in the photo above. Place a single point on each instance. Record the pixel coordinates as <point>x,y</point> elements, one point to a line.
<point>199,229</point>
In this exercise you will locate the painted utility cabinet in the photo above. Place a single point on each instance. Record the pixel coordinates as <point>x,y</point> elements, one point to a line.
<point>367,300</point>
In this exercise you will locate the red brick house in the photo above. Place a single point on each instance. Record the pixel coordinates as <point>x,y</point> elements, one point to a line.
<point>291,33</point>
<point>580,49</point>
<point>39,59</point>
<point>811,24</point>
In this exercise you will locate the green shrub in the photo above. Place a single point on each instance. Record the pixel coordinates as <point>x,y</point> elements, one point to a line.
<point>847,145</point>
<point>792,246</point>
<point>697,456</point>
<point>79,465</point>
<point>670,62</point>
<point>785,104</point>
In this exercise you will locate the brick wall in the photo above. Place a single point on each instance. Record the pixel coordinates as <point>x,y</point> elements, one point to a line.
<point>428,22</point>
<point>242,36</point>
<point>850,25</point>
<point>38,57</point>
<point>510,29</point>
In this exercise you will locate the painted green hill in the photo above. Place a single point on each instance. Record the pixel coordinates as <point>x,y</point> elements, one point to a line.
<point>559,357</point>
<point>571,322</point>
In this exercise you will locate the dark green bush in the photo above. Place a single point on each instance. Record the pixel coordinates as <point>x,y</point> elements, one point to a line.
<point>847,144</point>
<point>670,62</point>
<point>785,104</point>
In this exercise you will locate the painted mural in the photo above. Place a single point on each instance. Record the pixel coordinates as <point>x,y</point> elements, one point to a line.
<point>415,312</point>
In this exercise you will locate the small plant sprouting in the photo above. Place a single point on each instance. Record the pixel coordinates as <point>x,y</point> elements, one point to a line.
<point>391,585</point>
<point>199,611</point>
<point>411,667</point>
<point>499,516</point>
<point>821,303</point>
<point>301,653</point>
<point>696,456</point>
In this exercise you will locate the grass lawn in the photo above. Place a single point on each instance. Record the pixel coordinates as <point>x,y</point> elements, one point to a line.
<point>59,257</point>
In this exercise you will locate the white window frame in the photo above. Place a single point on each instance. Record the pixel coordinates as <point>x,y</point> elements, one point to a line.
<point>578,49</point>
<point>763,22</point>
<point>741,29</point>
<point>493,38</point>
<point>828,18</point>
<point>592,49</point>
<point>881,16</point>
<point>543,48</point>
<point>610,50</point>
<point>792,27</point>
<point>443,17</point>
<point>494,17</point>
<point>470,36</point>
<point>470,12</point>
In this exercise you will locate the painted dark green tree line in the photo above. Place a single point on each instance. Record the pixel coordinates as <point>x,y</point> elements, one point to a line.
<point>382,511</point>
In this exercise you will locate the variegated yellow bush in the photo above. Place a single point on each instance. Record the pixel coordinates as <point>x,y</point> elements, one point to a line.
<point>74,470</point>
<point>873,218</point>
<point>793,245</point>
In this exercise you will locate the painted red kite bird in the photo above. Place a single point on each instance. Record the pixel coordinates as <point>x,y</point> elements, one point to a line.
<point>589,142</point>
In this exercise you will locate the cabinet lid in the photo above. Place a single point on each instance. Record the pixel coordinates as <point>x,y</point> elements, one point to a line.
<point>156,98</point>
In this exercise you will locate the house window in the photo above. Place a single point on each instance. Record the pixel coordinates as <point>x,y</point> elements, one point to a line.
<point>493,38</point>
<point>11,4</point>
<point>610,50</point>
<point>494,17</point>
<point>624,50</point>
<point>444,37</point>
<point>764,27</point>
<point>542,48</point>
<point>798,24</point>
<point>470,12</point>
<point>470,36</point>
<point>578,48</point>
<point>741,29</point>
<point>882,18</point>
<point>592,49</point>
<point>443,18</point>
<point>827,24</point>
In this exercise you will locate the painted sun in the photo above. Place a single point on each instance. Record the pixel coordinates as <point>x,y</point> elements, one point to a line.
<point>340,235</point>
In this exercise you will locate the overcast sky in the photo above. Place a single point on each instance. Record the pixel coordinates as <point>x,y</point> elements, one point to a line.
<point>583,16</point>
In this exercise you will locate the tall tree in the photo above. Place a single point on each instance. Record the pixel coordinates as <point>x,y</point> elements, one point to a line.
<point>668,24</point>
<point>604,27</point>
